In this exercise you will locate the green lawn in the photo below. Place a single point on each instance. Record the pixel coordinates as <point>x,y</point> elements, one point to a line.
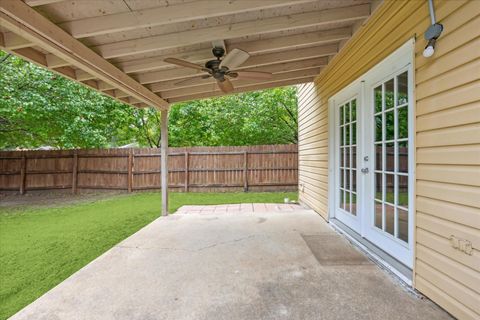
<point>40,247</point>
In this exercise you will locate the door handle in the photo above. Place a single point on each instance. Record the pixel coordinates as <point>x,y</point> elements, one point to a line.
<point>364,170</point>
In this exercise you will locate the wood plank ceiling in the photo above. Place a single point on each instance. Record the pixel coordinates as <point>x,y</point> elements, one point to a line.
<point>118,46</point>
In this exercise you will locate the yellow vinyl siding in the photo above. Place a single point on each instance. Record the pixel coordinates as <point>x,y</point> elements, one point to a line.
<point>313,148</point>
<point>447,138</point>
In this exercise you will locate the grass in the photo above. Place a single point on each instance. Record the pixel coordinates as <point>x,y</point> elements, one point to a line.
<point>41,247</point>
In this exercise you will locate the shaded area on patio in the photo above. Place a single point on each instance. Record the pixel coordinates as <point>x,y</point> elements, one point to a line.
<point>247,261</point>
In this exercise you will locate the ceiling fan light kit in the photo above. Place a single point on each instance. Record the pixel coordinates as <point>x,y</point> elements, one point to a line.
<point>221,69</point>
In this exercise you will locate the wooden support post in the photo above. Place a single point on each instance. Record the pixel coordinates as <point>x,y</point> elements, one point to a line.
<point>164,161</point>
<point>186,171</point>
<point>23,174</point>
<point>130,170</point>
<point>245,171</point>
<point>74,172</point>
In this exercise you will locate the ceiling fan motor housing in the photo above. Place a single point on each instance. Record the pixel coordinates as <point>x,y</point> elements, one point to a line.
<point>218,52</point>
<point>214,65</point>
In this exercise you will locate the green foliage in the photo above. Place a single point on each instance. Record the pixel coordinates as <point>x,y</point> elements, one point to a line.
<point>41,247</point>
<point>40,108</point>
<point>261,117</point>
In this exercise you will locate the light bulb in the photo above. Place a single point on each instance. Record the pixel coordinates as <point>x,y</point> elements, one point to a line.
<point>429,51</point>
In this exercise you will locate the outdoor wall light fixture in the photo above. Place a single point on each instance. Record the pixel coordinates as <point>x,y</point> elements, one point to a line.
<point>432,33</point>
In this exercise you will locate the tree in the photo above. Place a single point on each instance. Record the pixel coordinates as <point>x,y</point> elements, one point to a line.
<point>38,108</point>
<point>261,117</point>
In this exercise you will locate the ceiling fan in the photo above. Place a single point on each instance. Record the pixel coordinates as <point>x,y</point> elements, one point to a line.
<point>221,69</point>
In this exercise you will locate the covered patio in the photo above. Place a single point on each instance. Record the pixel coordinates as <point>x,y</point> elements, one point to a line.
<point>247,261</point>
<point>371,77</point>
<point>125,49</point>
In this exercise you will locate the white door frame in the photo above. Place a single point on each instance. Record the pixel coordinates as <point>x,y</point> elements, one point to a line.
<point>349,93</point>
<point>401,58</point>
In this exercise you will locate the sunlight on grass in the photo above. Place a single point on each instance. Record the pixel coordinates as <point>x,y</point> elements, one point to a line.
<point>40,247</point>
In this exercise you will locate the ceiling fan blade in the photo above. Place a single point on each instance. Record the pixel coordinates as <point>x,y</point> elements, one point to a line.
<point>226,86</point>
<point>234,58</point>
<point>183,63</point>
<point>192,80</point>
<point>254,75</point>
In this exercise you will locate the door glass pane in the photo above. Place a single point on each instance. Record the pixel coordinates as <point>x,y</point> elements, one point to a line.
<point>389,126</point>
<point>403,225</point>
<point>353,110</point>
<point>378,157</point>
<point>389,157</point>
<point>389,95</point>
<point>354,133</point>
<point>354,157</point>
<point>389,188</point>
<point>353,206</point>
<point>354,180</point>
<point>347,201</point>
<point>378,214</point>
<point>378,128</point>
<point>402,156</point>
<point>390,219</point>
<point>342,136</point>
<point>347,134</point>
<point>402,88</point>
<point>402,191</point>
<point>378,186</point>
<point>402,129</point>
<point>347,179</point>
<point>342,199</point>
<point>347,156</point>
<point>340,115</point>
<point>347,113</point>
<point>378,99</point>
<point>342,157</point>
<point>341,178</point>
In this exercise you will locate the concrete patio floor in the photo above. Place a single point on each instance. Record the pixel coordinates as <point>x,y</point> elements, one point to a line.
<point>249,261</point>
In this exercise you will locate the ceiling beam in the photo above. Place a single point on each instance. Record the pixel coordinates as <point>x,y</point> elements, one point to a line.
<point>235,30</point>
<point>157,63</point>
<point>253,47</point>
<point>275,68</point>
<point>307,39</point>
<point>240,83</point>
<point>54,62</point>
<point>35,3</point>
<point>13,41</point>
<point>254,61</point>
<point>254,87</point>
<point>18,17</point>
<point>153,17</point>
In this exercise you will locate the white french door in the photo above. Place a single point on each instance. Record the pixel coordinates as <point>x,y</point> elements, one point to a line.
<point>373,156</point>
<point>347,105</point>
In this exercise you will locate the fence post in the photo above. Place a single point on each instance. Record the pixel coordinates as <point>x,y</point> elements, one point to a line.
<point>130,170</point>
<point>245,171</point>
<point>186,171</point>
<point>74,172</point>
<point>23,174</point>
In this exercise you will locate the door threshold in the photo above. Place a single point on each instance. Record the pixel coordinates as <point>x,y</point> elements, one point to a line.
<point>379,256</point>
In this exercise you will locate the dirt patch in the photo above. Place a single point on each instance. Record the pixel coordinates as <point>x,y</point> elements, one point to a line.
<point>55,198</point>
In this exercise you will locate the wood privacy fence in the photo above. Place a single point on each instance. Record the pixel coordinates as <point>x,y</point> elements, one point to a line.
<point>255,168</point>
